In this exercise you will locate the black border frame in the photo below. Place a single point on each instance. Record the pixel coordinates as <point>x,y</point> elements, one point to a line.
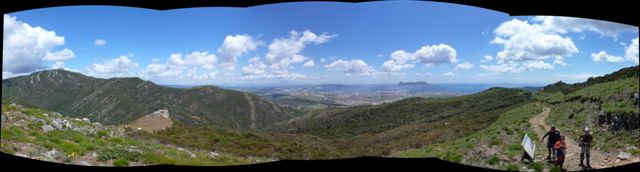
<point>620,11</point>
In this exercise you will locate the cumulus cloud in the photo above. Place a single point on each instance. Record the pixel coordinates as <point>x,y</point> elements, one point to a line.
<point>449,73</point>
<point>486,58</point>
<point>195,59</point>
<point>61,55</point>
<point>157,69</point>
<point>309,63</point>
<point>100,42</point>
<point>259,70</point>
<point>233,47</point>
<point>255,67</point>
<point>428,55</point>
<point>572,24</point>
<point>178,63</point>
<point>603,56</point>
<point>579,76</point>
<point>465,65</point>
<point>116,66</point>
<point>58,65</point>
<point>631,54</point>
<point>527,47</point>
<point>355,66</point>
<point>25,48</point>
<point>512,67</point>
<point>286,51</point>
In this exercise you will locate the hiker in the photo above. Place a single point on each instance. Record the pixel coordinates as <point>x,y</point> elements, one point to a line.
<point>585,146</point>
<point>561,148</point>
<point>553,138</point>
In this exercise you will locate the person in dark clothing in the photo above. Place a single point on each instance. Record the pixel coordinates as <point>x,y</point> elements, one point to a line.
<point>553,138</point>
<point>561,148</point>
<point>585,146</point>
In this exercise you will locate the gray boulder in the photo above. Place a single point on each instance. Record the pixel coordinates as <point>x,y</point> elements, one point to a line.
<point>47,128</point>
<point>624,155</point>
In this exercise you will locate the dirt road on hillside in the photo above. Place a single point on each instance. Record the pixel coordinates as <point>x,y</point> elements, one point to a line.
<point>253,111</point>
<point>572,159</point>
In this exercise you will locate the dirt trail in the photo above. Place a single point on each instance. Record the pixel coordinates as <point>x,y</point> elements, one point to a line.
<point>572,159</point>
<point>253,111</point>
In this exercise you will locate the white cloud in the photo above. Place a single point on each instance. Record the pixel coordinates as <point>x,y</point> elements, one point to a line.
<point>481,75</point>
<point>532,65</point>
<point>322,60</point>
<point>233,47</point>
<point>524,42</point>
<point>61,55</point>
<point>392,66</point>
<point>486,58</point>
<point>58,65</point>
<point>572,24</point>
<point>355,66</point>
<point>603,56</point>
<point>177,63</point>
<point>579,76</point>
<point>448,74</point>
<point>120,65</point>
<point>428,55</point>
<point>309,63</point>
<point>527,47</point>
<point>26,48</point>
<point>631,52</point>
<point>162,70</point>
<point>512,67</point>
<point>195,59</point>
<point>100,42</point>
<point>502,68</point>
<point>254,68</point>
<point>465,65</point>
<point>6,75</point>
<point>286,51</point>
<point>258,70</point>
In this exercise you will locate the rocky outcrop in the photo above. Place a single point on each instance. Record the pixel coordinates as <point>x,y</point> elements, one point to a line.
<point>156,121</point>
<point>615,122</point>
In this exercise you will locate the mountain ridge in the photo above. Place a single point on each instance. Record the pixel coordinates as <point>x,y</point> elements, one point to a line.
<point>123,99</point>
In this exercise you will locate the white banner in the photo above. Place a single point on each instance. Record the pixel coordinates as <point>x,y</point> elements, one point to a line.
<point>529,146</point>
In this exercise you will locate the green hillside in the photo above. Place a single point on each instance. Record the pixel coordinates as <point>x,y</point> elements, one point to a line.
<point>121,100</point>
<point>49,136</point>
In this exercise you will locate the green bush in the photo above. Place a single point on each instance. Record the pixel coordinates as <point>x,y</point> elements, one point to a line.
<point>493,160</point>
<point>513,167</point>
<point>118,153</point>
<point>102,133</point>
<point>537,166</point>
<point>121,162</point>
<point>555,169</point>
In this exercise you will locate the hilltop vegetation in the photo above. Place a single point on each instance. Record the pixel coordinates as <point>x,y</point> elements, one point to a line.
<point>608,105</point>
<point>497,146</point>
<point>382,129</point>
<point>44,135</point>
<point>349,122</point>
<point>121,100</point>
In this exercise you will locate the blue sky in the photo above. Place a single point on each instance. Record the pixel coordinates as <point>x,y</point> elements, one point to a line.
<point>316,42</point>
